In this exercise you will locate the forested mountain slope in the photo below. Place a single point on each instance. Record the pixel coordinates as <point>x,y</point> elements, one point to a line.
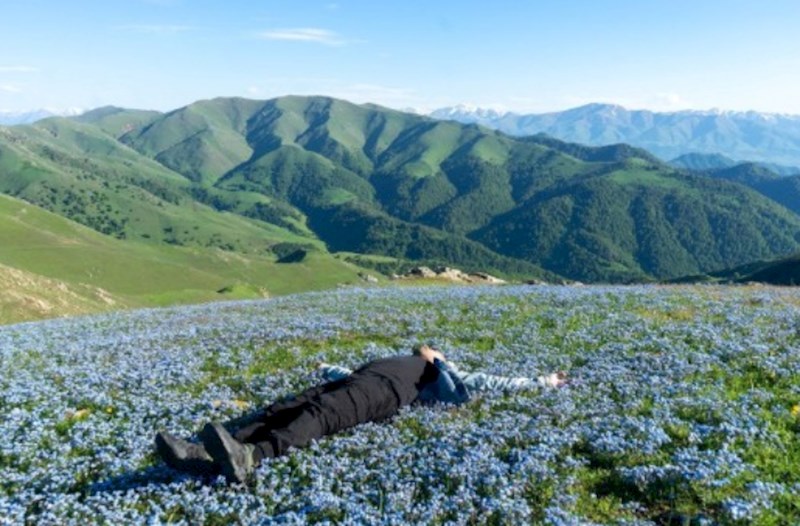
<point>250,175</point>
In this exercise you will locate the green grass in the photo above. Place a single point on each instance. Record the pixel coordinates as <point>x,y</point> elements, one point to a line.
<point>118,121</point>
<point>491,150</point>
<point>639,177</point>
<point>51,250</point>
<point>337,196</point>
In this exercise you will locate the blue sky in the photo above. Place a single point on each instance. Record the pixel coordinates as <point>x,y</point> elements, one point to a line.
<point>518,55</point>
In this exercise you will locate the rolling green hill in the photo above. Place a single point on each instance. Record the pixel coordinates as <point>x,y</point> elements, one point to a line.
<point>702,161</point>
<point>78,171</point>
<point>628,224</point>
<point>117,121</point>
<point>51,266</point>
<point>254,177</point>
<point>781,271</point>
<point>781,189</point>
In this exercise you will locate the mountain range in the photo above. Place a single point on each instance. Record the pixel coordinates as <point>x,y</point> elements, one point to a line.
<point>743,136</point>
<point>297,179</point>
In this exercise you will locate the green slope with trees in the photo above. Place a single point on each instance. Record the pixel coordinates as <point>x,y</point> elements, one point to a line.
<point>628,225</point>
<point>78,171</point>
<point>781,189</point>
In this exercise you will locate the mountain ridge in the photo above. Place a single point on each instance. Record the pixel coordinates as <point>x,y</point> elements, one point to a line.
<point>744,135</point>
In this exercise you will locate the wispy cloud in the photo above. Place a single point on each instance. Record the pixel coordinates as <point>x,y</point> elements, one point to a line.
<point>18,69</point>
<point>10,88</point>
<point>305,34</point>
<point>157,29</point>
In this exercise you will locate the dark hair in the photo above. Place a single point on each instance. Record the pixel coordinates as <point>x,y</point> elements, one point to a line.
<point>417,349</point>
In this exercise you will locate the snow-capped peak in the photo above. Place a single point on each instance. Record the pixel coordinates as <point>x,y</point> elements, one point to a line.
<point>469,111</point>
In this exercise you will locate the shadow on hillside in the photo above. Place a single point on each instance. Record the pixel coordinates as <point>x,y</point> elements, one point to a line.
<point>161,473</point>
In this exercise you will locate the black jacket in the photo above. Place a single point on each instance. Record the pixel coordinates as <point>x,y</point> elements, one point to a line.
<point>406,375</point>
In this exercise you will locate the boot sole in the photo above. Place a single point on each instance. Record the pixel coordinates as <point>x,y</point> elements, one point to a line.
<point>225,451</point>
<point>193,466</point>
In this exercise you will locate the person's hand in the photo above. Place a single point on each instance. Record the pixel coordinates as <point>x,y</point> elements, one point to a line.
<point>558,379</point>
<point>429,354</point>
<point>322,365</point>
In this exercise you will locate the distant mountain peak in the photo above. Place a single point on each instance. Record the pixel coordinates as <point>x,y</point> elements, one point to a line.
<point>601,106</point>
<point>469,111</point>
<point>769,138</point>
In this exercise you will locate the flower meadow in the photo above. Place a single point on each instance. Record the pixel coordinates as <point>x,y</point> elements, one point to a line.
<point>683,407</point>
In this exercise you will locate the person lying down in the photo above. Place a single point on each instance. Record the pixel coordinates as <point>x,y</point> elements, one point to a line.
<point>373,392</point>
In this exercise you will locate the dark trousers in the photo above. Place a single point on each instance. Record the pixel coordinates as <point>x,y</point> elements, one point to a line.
<point>320,411</point>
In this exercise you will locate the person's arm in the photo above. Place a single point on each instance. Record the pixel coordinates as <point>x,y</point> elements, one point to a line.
<point>449,387</point>
<point>331,373</point>
<point>490,382</point>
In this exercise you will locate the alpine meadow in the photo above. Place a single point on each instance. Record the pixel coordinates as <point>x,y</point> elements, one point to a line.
<point>400,263</point>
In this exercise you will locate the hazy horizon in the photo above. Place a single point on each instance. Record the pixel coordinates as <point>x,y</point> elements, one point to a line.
<point>75,111</point>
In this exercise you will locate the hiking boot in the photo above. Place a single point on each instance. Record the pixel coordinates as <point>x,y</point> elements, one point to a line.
<point>234,458</point>
<point>184,456</point>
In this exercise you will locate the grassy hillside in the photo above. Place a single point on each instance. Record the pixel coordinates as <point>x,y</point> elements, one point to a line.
<point>52,266</point>
<point>80,172</point>
<point>117,121</point>
<point>29,296</point>
<point>200,141</point>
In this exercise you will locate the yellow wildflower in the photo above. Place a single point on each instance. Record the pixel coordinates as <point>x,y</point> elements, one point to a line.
<point>80,414</point>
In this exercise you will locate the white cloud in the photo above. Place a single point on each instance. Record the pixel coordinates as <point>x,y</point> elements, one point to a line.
<point>304,34</point>
<point>10,88</point>
<point>18,69</point>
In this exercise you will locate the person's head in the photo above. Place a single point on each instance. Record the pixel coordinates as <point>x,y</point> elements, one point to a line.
<point>426,352</point>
